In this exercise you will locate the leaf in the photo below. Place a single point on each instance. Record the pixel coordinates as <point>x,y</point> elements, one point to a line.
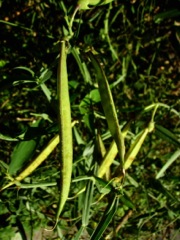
<point>84,105</point>
<point>127,201</point>
<point>45,75</point>
<point>36,162</point>
<point>46,91</point>
<point>167,135</point>
<point>23,152</point>
<point>158,18</point>
<point>77,136</point>
<point>100,146</point>
<point>82,65</point>
<point>87,203</point>
<point>27,134</point>
<point>89,121</point>
<point>3,63</point>
<point>24,81</point>
<point>79,233</point>
<point>88,100</point>
<point>26,69</point>
<point>7,138</point>
<point>105,220</point>
<point>158,186</point>
<point>95,96</point>
<point>170,161</point>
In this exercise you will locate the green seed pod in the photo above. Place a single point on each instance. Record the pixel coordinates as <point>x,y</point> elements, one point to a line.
<point>86,4</point>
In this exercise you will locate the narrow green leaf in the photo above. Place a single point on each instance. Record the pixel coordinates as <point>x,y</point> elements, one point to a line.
<point>158,185</point>
<point>24,81</point>
<point>77,136</point>
<point>167,135</point>
<point>100,146</point>
<point>24,151</point>
<point>106,219</point>
<point>158,18</point>
<point>89,122</point>
<point>127,201</point>
<point>45,75</point>
<point>16,25</point>
<point>82,65</point>
<point>104,186</point>
<point>87,203</point>
<point>26,69</point>
<point>8,138</point>
<point>79,233</point>
<point>153,105</point>
<point>173,157</point>
<point>4,165</point>
<point>46,91</point>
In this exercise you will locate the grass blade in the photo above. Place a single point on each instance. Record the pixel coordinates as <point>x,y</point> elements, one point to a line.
<point>87,203</point>
<point>173,157</point>
<point>82,66</point>
<point>167,135</point>
<point>79,233</point>
<point>107,217</point>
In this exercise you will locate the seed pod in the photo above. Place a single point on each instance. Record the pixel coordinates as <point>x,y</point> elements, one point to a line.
<point>86,4</point>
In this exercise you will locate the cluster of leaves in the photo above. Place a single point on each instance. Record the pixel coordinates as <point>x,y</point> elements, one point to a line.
<point>138,44</point>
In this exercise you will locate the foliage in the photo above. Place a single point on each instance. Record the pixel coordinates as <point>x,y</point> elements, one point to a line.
<point>137,46</point>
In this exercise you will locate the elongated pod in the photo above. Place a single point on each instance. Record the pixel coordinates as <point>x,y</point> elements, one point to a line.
<point>65,131</point>
<point>86,4</point>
